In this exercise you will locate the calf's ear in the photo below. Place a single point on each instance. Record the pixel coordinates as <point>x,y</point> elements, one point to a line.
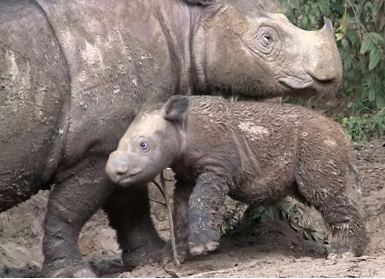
<point>201,2</point>
<point>175,108</point>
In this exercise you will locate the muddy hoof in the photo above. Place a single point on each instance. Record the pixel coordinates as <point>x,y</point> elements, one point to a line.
<point>346,255</point>
<point>201,243</point>
<point>202,249</point>
<point>142,256</point>
<point>72,271</point>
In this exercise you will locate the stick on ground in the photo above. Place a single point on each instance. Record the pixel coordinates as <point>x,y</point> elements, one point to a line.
<point>170,219</point>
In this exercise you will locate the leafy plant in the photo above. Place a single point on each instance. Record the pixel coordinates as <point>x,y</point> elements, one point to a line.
<point>293,213</point>
<point>232,217</point>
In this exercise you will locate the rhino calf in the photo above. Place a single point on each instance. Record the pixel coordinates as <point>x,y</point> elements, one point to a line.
<point>257,153</point>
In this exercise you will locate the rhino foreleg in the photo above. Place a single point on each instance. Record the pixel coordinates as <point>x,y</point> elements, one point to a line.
<point>206,213</point>
<point>71,204</point>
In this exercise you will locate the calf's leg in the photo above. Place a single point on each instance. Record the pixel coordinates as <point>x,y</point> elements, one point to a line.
<point>206,213</point>
<point>322,183</point>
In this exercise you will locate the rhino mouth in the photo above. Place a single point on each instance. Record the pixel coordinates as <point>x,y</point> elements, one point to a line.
<point>292,82</point>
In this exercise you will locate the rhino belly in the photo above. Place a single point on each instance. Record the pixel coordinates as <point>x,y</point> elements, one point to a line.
<point>34,102</point>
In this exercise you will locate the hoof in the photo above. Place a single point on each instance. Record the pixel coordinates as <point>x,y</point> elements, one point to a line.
<point>345,256</point>
<point>77,271</point>
<point>203,248</point>
<point>203,241</point>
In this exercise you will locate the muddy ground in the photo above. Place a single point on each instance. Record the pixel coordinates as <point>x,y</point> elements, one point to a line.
<point>271,248</point>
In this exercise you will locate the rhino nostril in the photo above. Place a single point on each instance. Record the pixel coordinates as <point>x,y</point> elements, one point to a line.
<point>120,173</point>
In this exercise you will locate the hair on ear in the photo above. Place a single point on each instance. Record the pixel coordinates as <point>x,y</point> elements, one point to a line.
<point>175,108</point>
<point>200,2</point>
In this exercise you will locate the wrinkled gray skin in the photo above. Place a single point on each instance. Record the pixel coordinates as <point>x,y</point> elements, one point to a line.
<point>73,72</point>
<point>257,153</point>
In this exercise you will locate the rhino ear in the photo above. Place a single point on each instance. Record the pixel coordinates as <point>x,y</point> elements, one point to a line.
<point>201,2</point>
<point>175,108</point>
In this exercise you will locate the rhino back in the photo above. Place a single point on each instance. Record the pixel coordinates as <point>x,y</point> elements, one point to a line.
<point>118,58</point>
<point>34,102</point>
<point>258,144</point>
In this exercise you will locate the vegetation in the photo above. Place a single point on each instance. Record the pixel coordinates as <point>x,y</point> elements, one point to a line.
<point>359,30</point>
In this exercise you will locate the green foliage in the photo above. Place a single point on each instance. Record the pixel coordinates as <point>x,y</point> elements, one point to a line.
<point>363,125</point>
<point>232,217</point>
<point>359,30</point>
<point>294,214</point>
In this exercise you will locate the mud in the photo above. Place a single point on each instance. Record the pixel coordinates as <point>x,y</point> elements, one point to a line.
<point>271,249</point>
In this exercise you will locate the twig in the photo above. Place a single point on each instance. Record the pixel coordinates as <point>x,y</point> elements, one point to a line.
<point>158,202</point>
<point>170,220</point>
<point>160,188</point>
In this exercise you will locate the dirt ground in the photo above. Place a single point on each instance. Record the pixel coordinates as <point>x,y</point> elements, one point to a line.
<point>272,249</point>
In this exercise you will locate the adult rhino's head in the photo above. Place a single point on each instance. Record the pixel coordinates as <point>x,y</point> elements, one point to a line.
<point>247,48</point>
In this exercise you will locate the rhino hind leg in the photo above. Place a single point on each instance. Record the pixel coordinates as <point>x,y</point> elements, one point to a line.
<point>206,213</point>
<point>128,211</point>
<point>71,203</point>
<point>327,193</point>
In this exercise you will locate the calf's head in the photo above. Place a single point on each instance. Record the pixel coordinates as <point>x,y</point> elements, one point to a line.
<point>249,50</point>
<point>151,143</point>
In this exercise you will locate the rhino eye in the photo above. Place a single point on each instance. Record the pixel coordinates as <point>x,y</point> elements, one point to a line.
<point>143,145</point>
<point>266,39</point>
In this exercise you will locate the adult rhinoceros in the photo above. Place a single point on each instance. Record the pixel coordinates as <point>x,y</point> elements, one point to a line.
<point>72,73</point>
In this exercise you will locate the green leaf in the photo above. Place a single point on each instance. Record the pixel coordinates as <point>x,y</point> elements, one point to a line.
<point>337,7</point>
<point>304,22</point>
<point>312,20</point>
<point>344,121</point>
<point>377,38</point>
<point>269,213</point>
<point>287,206</point>
<point>374,58</point>
<point>339,36</point>
<point>380,101</point>
<point>367,44</point>
<point>317,12</point>
<point>371,94</point>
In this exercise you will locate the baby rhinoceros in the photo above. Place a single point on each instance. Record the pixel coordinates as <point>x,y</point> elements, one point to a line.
<point>257,153</point>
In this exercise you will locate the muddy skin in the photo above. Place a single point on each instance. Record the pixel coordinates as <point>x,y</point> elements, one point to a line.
<point>257,153</point>
<point>73,73</point>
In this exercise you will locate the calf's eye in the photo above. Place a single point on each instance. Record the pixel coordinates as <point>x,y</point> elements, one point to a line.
<point>143,145</point>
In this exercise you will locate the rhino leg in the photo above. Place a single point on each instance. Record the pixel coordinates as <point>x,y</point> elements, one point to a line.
<point>71,203</point>
<point>128,210</point>
<point>206,213</point>
<point>326,191</point>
